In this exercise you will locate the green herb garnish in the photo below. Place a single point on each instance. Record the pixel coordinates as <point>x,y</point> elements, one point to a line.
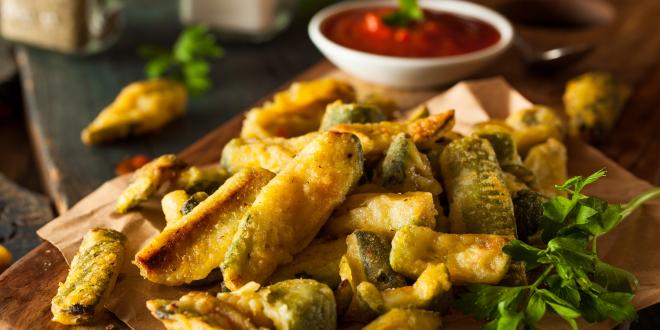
<point>573,281</point>
<point>187,62</point>
<point>407,13</point>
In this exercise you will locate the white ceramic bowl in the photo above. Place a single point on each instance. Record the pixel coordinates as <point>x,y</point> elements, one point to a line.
<point>406,72</point>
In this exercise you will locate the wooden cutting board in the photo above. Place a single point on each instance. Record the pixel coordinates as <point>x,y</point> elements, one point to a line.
<point>628,46</point>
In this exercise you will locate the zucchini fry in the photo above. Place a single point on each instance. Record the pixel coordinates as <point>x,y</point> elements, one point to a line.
<point>319,261</point>
<point>478,197</point>
<point>172,203</point>
<point>535,125</point>
<point>147,180</point>
<point>91,277</point>
<point>428,288</point>
<point>367,255</point>
<point>287,305</point>
<point>291,209</point>
<point>593,103</point>
<point>191,247</point>
<point>141,107</point>
<point>269,153</point>
<point>208,179</point>
<point>192,202</point>
<point>381,213</point>
<point>376,137</point>
<point>297,110</point>
<point>404,168</point>
<point>341,113</point>
<point>406,319</point>
<point>199,310</point>
<point>470,258</point>
<point>548,161</point>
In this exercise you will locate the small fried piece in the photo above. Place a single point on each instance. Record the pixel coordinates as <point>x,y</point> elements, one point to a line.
<point>288,305</point>
<point>382,213</point>
<point>376,137</point>
<point>141,107</point>
<point>297,110</point>
<point>535,125</point>
<point>470,258</point>
<point>192,202</point>
<point>207,179</point>
<point>340,113</point>
<point>269,153</point>
<point>406,319</point>
<point>420,112</point>
<point>147,180</point>
<point>404,168</point>
<point>479,202</point>
<point>293,207</point>
<point>593,103</point>
<point>172,203</point>
<point>367,255</point>
<point>199,310</point>
<point>191,247</point>
<point>319,261</point>
<point>431,284</point>
<point>5,258</point>
<point>91,277</point>
<point>548,162</point>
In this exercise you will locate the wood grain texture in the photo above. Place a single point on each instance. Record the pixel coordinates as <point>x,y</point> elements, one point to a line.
<point>628,47</point>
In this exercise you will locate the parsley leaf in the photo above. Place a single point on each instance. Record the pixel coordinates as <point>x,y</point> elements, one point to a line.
<point>573,282</point>
<point>188,60</point>
<point>407,13</point>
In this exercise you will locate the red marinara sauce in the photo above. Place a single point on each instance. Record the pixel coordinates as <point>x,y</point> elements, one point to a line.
<point>440,34</point>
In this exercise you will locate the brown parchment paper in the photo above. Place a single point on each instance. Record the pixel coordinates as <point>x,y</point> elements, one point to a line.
<point>633,245</point>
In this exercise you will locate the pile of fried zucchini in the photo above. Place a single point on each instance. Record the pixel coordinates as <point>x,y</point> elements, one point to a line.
<point>328,212</point>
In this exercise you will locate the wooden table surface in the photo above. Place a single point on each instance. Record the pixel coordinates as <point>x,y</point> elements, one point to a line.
<point>64,93</point>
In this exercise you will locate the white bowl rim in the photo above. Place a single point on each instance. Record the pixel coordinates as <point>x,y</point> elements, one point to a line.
<point>463,8</point>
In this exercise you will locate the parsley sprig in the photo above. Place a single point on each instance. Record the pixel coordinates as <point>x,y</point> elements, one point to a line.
<point>572,281</point>
<point>187,62</point>
<point>408,12</point>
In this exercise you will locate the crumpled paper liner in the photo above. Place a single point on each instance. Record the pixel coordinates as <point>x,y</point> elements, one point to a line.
<point>633,245</point>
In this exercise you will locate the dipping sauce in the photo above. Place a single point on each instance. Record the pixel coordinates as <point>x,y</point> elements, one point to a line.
<point>440,34</point>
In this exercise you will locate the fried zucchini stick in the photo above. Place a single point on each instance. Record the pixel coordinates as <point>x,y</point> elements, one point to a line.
<point>292,207</point>
<point>470,258</point>
<point>376,137</point>
<point>478,197</point>
<point>296,111</point>
<point>91,277</point>
<point>381,213</point>
<point>191,247</point>
<point>146,181</point>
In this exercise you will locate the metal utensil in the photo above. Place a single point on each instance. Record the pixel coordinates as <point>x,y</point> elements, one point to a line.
<point>551,59</point>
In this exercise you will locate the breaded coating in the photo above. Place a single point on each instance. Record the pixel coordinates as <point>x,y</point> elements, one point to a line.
<point>297,110</point>
<point>376,137</point>
<point>319,261</point>
<point>292,207</point>
<point>382,213</point>
<point>535,125</point>
<point>141,107</point>
<point>172,203</point>
<point>269,153</point>
<point>470,258</point>
<point>548,161</point>
<point>206,179</point>
<point>406,319</point>
<point>479,202</point>
<point>147,180</point>
<point>91,277</point>
<point>593,103</point>
<point>339,112</point>
<point>191,247</point>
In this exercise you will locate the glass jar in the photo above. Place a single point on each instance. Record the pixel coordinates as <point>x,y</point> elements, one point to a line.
<point>67,26</point>
<point>245,20</point>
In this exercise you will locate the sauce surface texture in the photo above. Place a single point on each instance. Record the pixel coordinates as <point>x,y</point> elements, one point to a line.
<point>440,34</point>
